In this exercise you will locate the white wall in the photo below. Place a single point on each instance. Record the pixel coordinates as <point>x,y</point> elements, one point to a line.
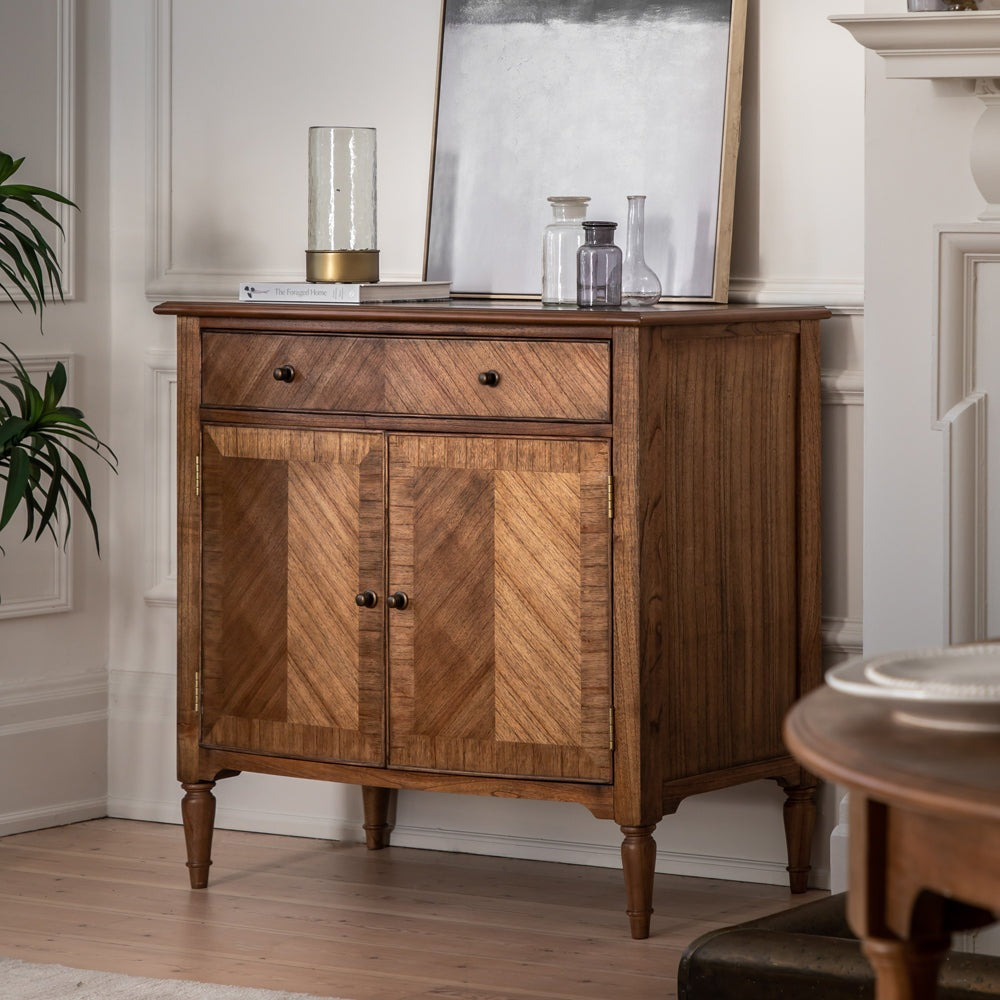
<point>209,109</point>
<point>54,610</point>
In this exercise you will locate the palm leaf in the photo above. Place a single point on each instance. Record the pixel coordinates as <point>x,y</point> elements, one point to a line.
<point>27,261</point>
<point>42,472</point>
<point>17,485</point>
<point>8,165</point>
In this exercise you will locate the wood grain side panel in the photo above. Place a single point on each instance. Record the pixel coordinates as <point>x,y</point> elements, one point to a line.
<point>294,531</point>
<point>730,520</point>
<point>810,501</point>
<point>638,630</point>
<point>188,547</point>
<point>521,526</point>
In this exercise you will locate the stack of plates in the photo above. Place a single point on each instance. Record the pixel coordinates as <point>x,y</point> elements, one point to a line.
<point>957,688</point>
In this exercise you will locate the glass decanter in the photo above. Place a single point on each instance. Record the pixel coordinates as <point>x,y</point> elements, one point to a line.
<point>563,237</point>
<point>640,285</point>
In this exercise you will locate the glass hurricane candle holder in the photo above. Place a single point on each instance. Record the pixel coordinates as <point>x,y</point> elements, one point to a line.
<point>342,242</point>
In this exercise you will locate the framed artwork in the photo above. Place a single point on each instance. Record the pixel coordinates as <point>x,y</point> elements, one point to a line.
<point>600,98</point>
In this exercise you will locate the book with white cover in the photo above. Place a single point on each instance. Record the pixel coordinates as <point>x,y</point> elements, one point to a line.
<point>327,293</point>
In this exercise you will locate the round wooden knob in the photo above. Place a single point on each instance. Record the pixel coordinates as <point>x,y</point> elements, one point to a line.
<point>284,373</point>
<point>366,599</point>
<point>399,600</point>
<point>490,378</point>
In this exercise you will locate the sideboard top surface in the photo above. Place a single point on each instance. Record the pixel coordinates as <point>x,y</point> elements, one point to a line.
<point>495,312</point>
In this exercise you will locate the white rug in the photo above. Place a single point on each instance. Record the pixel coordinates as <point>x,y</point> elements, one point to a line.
<point>27,981</point>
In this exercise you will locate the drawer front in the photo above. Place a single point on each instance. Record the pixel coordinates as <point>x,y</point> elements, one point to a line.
<point>557,380</point>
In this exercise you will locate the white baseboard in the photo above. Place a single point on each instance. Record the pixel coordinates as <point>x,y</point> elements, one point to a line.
<point>469,842</point>
<point>284,824</point>
<point>597,855</point>
<point>59,814</point>
<point>59,724</point>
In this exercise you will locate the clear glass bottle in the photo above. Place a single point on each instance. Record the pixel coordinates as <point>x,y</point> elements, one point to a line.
<point>599,267</point>
<point>563,237</point>
<point>640,285</point>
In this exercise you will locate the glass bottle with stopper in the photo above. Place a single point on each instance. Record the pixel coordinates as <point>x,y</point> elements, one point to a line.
<point>599,267</point>
<point>562,239</point>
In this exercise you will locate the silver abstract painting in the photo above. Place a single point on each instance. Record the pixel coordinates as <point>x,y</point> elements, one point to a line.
<point>603,98</point>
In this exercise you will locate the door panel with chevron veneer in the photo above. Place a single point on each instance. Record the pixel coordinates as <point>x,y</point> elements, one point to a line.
<point>293,530</point>
<point>501,661</point>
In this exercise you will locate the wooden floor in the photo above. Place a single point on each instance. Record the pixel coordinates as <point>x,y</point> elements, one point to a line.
<point>335,920</point>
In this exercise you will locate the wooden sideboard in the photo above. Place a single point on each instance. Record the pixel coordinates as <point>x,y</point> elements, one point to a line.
<point>498,549</point>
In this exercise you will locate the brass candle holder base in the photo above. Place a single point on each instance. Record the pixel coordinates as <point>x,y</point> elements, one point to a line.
<point>342,265</point>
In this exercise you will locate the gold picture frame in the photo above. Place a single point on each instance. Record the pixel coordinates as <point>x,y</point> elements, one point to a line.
<point>602,98</point>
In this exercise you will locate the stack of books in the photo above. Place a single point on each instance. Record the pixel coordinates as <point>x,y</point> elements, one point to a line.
<point>324,293</point>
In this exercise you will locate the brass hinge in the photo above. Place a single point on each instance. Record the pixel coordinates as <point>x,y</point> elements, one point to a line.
<point>197,475</point>
<point>197,691</point>
<point>611,497</point>
<point>611,728</point>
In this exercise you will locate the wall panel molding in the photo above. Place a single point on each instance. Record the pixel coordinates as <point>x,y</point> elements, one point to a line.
<point>843,636</point>
<point>31,692</point>
<point>963,253</point>
<point>844,297</point>
<point>159,201</point>
<point>63,151</point>
<point>166,277</point>
<point>842,387</point>
<point>66,142</point>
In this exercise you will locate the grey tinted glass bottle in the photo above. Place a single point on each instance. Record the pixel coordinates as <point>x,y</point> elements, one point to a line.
<point>599,267</point>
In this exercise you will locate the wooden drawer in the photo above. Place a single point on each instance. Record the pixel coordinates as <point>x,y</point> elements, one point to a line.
<point>558,380</point>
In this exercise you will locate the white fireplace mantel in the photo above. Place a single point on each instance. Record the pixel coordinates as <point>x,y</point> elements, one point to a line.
<point>930,550</point>
<point>933,46</point>
<point>946,46</point>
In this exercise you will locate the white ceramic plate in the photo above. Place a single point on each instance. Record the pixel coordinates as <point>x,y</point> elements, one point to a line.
<point>956,688</point>
<point>961,673</point>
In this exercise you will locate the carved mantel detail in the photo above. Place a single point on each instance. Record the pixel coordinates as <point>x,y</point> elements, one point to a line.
<point>984,156</point>
<point>946,46</point>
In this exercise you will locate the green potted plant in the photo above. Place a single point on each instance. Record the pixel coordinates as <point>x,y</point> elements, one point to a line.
<point>40,436</point>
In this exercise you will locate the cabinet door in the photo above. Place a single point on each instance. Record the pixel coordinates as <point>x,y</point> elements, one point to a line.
<point>292,531</point>
<point>500,663</point>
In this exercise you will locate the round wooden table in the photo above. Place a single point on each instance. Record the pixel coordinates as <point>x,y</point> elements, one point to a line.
<point>924,830</point>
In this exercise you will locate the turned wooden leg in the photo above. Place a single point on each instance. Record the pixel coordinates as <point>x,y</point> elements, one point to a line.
<point>800,821</point>
<point>904,970</point>
<point>380,815</point>
<point>638,863</point>
<point>198,813</point>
